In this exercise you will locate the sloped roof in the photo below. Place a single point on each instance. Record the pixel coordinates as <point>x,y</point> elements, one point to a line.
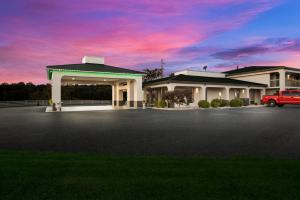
<point>201,79</point>
<point>253,69</point>
<point>90,67</point>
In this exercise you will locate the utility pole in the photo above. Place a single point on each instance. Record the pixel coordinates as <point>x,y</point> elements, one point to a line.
<point>162,63</point>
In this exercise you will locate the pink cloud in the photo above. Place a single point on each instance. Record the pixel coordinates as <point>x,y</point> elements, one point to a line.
<point>125,32</point>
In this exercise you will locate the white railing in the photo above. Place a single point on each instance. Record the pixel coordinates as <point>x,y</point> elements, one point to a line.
<point>292,83</point>
<point>274,83</point>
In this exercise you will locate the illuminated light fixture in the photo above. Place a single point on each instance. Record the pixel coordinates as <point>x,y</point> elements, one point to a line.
<point>73,78</point>
<point>235,94</point>
<point>243,91</point>
<point>104,79</point>
<point>288,76</point>
<point>220,94</point>
<point>197,90</point>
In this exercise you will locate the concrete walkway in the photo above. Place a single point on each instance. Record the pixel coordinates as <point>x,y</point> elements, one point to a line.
<point>81,108</point>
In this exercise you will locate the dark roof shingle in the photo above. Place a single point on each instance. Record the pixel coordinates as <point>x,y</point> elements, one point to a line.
<point>252,69</point>
<point>201,79</point>
<point>94,68</point>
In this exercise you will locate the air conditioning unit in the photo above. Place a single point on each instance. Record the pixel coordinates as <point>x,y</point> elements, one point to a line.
<point>93,60</point>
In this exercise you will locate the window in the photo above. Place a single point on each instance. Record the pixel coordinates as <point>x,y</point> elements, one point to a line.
<point>292,80</point>
<point>291,93</point>
<point>286,93</point>
<point>295,94</point>
<point>274,79</point>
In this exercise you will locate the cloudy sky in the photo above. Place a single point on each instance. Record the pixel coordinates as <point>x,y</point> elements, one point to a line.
<point>137,33</point>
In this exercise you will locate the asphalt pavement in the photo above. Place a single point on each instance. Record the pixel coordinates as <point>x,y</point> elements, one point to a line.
<point>259,131</point>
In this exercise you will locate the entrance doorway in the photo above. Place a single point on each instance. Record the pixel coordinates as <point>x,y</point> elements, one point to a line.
<point>255,96</point>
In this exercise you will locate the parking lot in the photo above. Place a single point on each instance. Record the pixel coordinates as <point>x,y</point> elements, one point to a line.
<point>215,132</point>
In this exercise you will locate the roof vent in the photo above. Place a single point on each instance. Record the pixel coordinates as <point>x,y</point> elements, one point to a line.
<point>93,60</point>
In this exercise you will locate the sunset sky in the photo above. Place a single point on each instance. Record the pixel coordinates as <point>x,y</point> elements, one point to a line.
<point>137,33</point>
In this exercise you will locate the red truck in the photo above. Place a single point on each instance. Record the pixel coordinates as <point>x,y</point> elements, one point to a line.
<point>281,98</point>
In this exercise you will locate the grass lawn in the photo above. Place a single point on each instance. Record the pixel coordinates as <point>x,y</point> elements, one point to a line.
<point>29,175</point>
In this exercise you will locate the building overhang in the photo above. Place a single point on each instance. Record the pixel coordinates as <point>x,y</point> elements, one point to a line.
<point>184,79</point>
<point>90,73</point>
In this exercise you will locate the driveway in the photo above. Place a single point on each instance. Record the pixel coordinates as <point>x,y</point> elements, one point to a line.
<point>245,131</point>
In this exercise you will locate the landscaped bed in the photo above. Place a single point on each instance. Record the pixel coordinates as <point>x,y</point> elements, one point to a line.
<point>29,175</point>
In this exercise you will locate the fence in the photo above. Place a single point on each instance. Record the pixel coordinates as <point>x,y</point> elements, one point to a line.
<point>4,104</point>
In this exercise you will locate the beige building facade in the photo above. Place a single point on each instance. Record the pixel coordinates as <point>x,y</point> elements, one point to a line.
<point>277,78</point>
<point>129,90</point>
<point>247,83</point>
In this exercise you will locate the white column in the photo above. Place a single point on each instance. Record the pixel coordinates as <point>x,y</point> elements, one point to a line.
<point>247,90</point>
<point>145,93</point>
<point>138,94</point>
<point>262,92</point>
<point>128,93</point>
<point>196,95</point>
<point>203,95</point>
<point>117,95</point>
<point>282,80</point>
<point>170,87</point>
<point>56,89</point>
<point>227,93</point>
<point>113,95</point>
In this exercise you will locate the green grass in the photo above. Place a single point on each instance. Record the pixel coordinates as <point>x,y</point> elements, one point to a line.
<point>29,175</point>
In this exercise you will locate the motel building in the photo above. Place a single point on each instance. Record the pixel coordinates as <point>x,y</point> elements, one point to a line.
<point>129,91</point>
<point>249,83</point>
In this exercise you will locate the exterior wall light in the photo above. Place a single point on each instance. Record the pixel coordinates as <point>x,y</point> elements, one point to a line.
<point>197,90</point>
<point>73,79</point>
<point>220,94</point>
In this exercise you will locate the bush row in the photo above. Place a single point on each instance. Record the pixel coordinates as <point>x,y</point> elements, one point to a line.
<point>160,104</point>
<point>215,103</point>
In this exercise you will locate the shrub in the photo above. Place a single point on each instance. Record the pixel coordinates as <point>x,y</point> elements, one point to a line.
<point>215,103</point>
<point>224,103</point>
<point>162,104</point>
<point>203,104</point>
<point>169,97</point>
<point>245,101</point>
<point>178,97</point>
<point>236,103</point>
<point>50,102</point>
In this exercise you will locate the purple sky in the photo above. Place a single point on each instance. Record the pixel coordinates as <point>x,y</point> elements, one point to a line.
<point>137,33</point>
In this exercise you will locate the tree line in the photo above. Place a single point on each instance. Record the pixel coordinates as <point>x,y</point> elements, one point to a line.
<point>28,91</point>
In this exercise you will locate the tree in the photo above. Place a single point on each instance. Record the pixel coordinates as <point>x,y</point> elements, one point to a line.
<point>170,98</point>
<point>152,74</point>
<point>21,91</point>
<point>178,96</point>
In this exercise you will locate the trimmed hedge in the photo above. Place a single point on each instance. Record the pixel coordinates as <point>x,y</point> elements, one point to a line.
<point>236,103</point>
<point>224,103</point>
<point>245,101</point>
<point>203,104</point>
<point>215,103</point>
